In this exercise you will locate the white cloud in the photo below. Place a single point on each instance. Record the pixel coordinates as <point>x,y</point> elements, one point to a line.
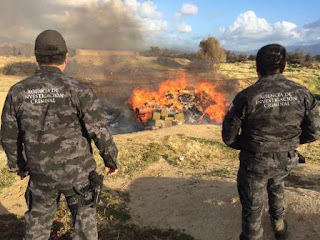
<point>184,28</point>
<point>247,25</point>
<point>285,29</point>
<point>149,10</point>
<point>177,15</point>
<point>189,9</point>
<point>250,29</point>
<point>146,9</point>
<point>150,18</point>
<point>157,26</point>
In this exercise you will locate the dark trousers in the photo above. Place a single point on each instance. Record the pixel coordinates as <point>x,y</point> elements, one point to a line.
<point>42,197</point>
<point>258,172</point>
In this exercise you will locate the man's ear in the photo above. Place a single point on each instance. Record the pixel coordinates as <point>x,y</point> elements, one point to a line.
<point>258,73</point>
<point>67,58</point>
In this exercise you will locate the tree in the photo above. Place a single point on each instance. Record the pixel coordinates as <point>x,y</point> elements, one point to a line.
<point>297,57</point>
<point>318,57</point>
<point>252,57</point>
<point>231,57</point>
<point>242,57</point>
<point>309,58</point>
<point>155,51</point>
<point>211,51</point>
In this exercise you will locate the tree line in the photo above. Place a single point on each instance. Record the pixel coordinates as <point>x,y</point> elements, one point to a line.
<point>298,57</point>
<point>210,53</point>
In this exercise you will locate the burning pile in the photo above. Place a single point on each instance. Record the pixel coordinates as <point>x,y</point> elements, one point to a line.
<point>177,101</point>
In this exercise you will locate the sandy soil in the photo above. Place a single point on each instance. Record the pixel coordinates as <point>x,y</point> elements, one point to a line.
<point>210,209</point>
<point>206,208</point>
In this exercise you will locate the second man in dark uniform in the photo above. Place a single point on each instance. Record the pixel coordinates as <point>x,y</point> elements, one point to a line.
<point>267,122</point>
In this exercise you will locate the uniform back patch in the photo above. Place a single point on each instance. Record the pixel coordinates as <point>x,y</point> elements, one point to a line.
<point>42,95</point>
<point>279,99</point>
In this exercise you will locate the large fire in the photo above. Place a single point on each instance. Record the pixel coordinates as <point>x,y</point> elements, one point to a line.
<point>197,100</point>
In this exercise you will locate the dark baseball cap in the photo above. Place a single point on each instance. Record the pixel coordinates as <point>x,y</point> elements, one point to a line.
<point>50,42</point>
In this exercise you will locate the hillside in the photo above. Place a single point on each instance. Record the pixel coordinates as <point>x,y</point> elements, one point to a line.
<point>313,49</point>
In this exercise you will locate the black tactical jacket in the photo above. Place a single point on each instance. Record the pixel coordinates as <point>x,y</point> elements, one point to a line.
<point>52,118</point>
<point>272,115</point>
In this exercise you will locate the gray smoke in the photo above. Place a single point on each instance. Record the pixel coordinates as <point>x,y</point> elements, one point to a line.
<point>106,25</point>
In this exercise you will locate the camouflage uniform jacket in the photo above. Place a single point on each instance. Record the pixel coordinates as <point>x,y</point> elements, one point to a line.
<point>272,115</point>
<point>53,118</point>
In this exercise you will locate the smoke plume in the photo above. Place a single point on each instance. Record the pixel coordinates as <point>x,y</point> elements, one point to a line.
<point>93,24</point>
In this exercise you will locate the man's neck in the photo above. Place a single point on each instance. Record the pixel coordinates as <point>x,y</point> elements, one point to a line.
<point>61,67</point>
<point>263,75</point>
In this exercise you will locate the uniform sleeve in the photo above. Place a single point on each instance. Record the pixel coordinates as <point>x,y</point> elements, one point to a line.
<point>93,116</point>
<point>11,136</point>
<point>232,122</point>
<point>311,122</point>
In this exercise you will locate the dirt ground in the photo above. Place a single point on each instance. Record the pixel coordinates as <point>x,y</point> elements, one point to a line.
<point>210,209</point>
<point>205,207</point>
<point>182,197</point>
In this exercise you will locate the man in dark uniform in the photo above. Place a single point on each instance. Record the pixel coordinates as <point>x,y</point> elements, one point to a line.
<point>51,119</point>
<point>267,121</point>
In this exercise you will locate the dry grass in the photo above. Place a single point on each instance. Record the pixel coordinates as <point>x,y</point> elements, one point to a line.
<point>5,83</point>
<point>4,60</point>
<point>198,154</point>
<point>246,74</point>
<point>311,152</point>
<point>305,76</point>
<point>6,177</point>
<point>192,150</point>
<point>187,150</point>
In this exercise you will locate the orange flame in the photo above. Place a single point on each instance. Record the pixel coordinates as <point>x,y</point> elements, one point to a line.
<point>211,102</point>
<point>217,109</point>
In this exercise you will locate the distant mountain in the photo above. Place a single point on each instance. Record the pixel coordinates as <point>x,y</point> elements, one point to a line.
<point>314,49</point>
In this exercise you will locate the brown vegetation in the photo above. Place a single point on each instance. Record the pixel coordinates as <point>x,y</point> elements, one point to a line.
<point>211,52</point>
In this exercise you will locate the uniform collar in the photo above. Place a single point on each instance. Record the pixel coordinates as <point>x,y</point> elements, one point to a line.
<point>272,77</point>
<point>49,69</point>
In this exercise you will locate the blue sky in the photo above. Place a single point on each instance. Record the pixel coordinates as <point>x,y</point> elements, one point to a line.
<point>242,24</point>
<point>138,24</point>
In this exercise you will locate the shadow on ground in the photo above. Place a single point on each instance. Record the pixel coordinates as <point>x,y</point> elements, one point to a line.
<point>311,182</point>
<point>160,208</point>
<point>210,209</point>
<point>11,226</point>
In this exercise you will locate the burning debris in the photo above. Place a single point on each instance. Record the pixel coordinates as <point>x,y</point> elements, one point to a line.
<point>178,101</point>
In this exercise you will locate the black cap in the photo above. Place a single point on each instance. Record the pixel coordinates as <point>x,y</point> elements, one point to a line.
<point>50,42</point>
